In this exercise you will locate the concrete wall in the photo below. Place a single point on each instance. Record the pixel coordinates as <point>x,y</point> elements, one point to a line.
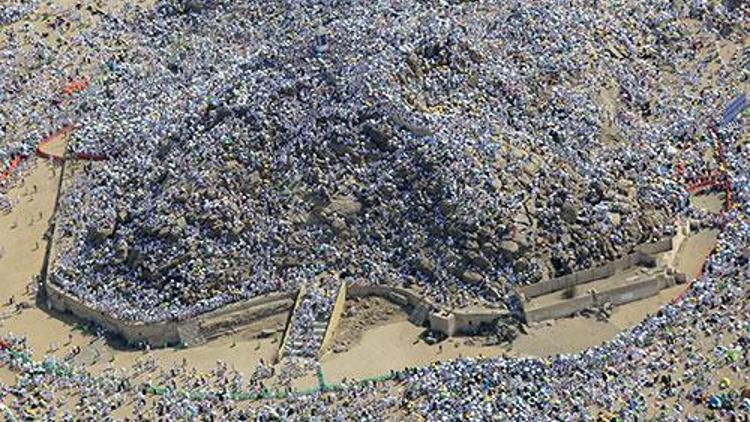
<point>468,322</point>
<point>662,245</point>
<point>161,334</point>
<point>448,322</point>
<point>559,310</point>
<point>616,296</point>
<point>629,293</point>
<point>157,334</point>
<point>397,295</point>
<point>445,323</point>
<point>641,255</point>
<point>333,322</point>
<point>239,315</point>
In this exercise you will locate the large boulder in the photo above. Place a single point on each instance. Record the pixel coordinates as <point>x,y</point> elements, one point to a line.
<point>344,206</point>
<point>471,277</point>
<point>509,248</point>
<point>569,212</point>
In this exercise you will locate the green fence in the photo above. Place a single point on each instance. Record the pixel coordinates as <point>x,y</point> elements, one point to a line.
<point>62,370</point>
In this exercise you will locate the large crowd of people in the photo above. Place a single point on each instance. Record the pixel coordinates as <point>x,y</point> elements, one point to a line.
<point>253,147</point>
<point>448,146</point>
<point>14,10</point>
<point>689,360</point>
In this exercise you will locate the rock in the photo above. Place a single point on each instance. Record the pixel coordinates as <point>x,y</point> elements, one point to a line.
<point>340,348</point>
<point>101,231</point>
<point>680,278</point>
<point>489,249</point>
<point>345,206</point>
<point>471,277</point>
<point>568,212</point>
<point>338,224</point>
<point>509,248</point>
<point>121,251</point>
<point>481,262</point>
<point>415,129</point>
<point>566,239</point>
<point>615,218</point>
<point>520,265</point>
<point>426,265</point>
<point>379,135</point>
<point>194,6</point>
<point>413,62</point>
<point>135,258</point>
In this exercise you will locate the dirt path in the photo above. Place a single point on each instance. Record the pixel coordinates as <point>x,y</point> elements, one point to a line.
<point>712,202</point>
<point>21,244</point>
<point>694,252</point>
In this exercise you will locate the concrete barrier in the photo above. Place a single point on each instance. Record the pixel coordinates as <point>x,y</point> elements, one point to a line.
<point>616,296</point>
<point>156,334</point>
<point>161,334</point>
<point>560,310</point>
<point>468,322</point>
<point>239,315</point>
<point>640,256</point>
<point>449,322</point>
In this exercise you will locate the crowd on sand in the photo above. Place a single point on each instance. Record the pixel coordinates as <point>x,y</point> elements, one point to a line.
<point>460,148</point>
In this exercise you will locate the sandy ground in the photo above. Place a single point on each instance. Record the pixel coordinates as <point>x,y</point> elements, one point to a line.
<point>694,252</point>
<point>391,344</point>
<point>21,245</point>
<point>361,315</point>
<point>712,202</point>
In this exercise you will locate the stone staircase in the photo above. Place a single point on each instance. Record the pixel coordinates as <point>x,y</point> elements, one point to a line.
<point>309,323</point>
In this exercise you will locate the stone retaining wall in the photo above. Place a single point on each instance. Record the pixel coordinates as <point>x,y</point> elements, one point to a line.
<point>161,334</point>
<point>156,334</point>
<point>449,322</point>
<point>641,256</point>
<point>616,296</point>
<point>333,322</point>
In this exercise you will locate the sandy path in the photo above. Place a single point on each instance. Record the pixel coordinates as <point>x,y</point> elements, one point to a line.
<point>21,244</point>
<point>713,202</point>
<point>394,346</point>
<point>694,252</point>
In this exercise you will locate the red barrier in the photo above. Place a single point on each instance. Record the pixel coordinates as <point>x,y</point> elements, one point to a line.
<point>14,163</point>
<point>728,194</point>
<point>76,86</point>
<point>48,139</point>
<point>705,182</point>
